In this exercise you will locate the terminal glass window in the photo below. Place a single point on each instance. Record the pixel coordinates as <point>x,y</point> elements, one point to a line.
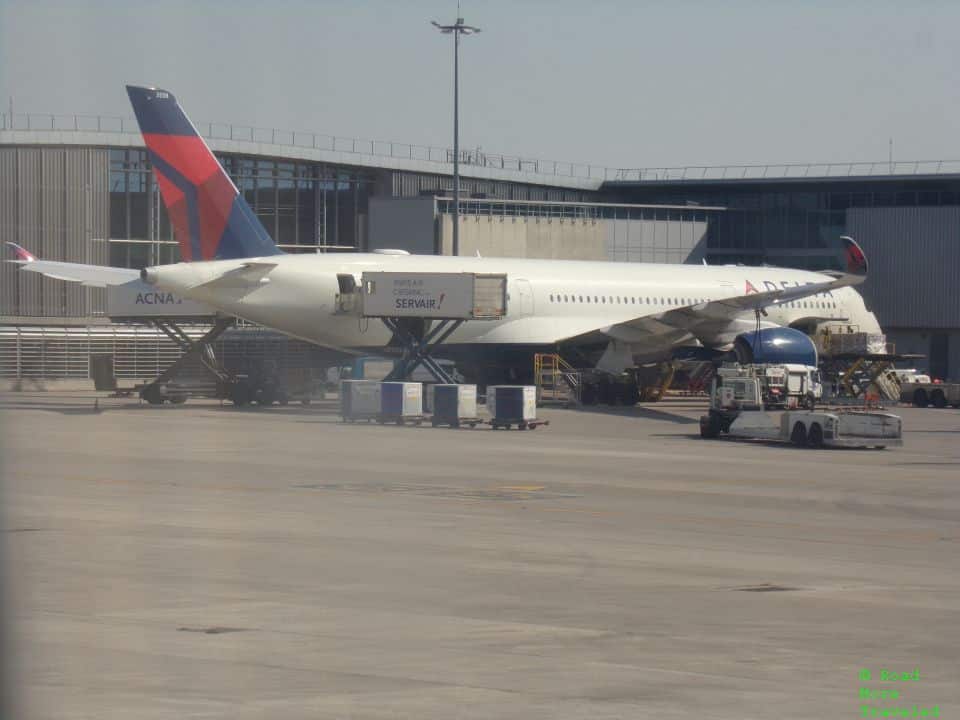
<point>305,206</point>
<point>131,212</point>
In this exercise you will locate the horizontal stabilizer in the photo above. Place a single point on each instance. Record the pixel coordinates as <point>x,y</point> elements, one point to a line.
<point>90,275</point>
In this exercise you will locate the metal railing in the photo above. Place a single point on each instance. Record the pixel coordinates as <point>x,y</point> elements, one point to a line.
<point>38,352</point>
<point>39,122</point>
<point>498,207</point>
<point>693,173</point>
<point>479,158</point>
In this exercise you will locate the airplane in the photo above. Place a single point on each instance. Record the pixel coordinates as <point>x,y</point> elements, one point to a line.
<point>614,314</point>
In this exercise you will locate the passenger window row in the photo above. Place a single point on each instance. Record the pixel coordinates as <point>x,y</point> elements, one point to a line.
<point>670,301</point>
<point>810,304</point>
<point>623,300</point>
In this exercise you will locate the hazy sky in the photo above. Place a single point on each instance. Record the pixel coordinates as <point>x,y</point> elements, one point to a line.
<point>622,84</point>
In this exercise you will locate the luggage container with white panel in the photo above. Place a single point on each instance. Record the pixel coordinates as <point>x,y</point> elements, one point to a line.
<point>510,405</point>
<point>453,405</point>
<point>401,402</point>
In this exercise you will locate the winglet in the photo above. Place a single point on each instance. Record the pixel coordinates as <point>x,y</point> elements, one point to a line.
<point>22,254</point>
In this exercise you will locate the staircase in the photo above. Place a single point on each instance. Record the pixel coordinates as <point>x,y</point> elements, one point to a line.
<point>887,383</point>
<point>700,378</point>
<point>864,377</point>
<point>558,382</point>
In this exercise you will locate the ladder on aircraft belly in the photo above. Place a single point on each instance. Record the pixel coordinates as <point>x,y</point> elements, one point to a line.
<point>557,381</point>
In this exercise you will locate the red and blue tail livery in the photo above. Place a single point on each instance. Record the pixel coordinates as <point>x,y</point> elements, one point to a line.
<point>211,220</point>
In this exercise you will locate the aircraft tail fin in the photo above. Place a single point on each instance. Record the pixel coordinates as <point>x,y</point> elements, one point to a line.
<point>854,259</point>
<point>211,219</point>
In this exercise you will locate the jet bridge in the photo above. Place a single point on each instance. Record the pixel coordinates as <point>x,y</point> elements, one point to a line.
<point>423,310</point>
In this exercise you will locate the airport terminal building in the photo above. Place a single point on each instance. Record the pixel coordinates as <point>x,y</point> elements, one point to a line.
<point>80,189</point>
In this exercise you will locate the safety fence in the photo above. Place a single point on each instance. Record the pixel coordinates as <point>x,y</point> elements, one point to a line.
<point>139,352</point>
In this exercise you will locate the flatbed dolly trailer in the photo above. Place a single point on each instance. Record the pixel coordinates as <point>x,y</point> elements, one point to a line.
<point>808,428</point>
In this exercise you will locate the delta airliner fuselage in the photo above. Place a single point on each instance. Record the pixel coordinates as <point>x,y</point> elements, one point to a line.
<point>548,300</point>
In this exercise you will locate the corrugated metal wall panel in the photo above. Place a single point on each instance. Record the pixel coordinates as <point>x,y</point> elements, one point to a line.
<point>914,256</point>
<point>9,276</point>
<point>52,224</point>
<point>75,242</point>
<point>28,226</point>
<point>54,201</point>
<point>98,180</point>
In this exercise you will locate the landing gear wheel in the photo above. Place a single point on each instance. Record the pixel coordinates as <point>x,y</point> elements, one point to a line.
<point>709,428</point>
<point>920,398</point>
<point>152,394</point>
<point>799,435</point>
<point>240,394</point>
<point>608,394</point>
<point>589,394</point>
<point>815,437</point>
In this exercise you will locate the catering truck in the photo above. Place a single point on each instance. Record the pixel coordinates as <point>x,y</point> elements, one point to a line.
<point>738,410</point>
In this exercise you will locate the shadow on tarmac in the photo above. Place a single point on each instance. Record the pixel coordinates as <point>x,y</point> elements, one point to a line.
<point>641,411</point>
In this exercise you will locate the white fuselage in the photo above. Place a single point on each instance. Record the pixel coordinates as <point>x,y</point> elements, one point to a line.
<point>548,300</point>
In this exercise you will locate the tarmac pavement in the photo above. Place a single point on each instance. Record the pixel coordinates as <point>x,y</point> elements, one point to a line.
<point>200,561</point>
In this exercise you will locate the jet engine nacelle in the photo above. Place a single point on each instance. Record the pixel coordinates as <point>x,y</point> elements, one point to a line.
<point>775,345</point>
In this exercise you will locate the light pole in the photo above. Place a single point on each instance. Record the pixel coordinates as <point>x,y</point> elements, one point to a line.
<point>458,29</point>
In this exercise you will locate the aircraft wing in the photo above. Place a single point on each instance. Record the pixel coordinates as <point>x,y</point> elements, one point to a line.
<point>91,275</point>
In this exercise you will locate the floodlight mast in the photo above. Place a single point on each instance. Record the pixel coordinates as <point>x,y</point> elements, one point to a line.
<point>457,29</point>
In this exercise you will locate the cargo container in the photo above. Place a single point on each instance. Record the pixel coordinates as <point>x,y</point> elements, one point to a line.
<point>359,400</point>
<point>513,405</point>
<point>451,296</point>
<point>453,405</point>
<point>401,402</point>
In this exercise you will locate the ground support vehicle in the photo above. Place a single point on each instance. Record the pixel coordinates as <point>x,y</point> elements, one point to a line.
<point>923,394</point>
<point>770,386</point>
<point>737,410</point>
